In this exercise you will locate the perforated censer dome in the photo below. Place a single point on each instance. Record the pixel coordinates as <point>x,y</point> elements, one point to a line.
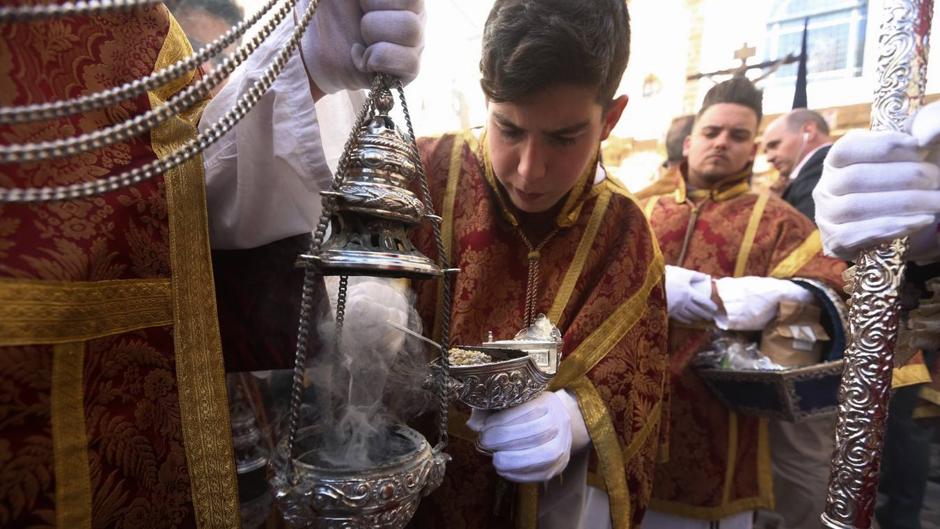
<point>375,209</point>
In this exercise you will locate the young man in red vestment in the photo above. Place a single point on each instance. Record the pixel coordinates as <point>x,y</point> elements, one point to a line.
<point>536,226</point>
<point>730,253</point>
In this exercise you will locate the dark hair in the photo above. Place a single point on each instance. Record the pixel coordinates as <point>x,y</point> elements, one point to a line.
<point>801,116</point>
<point>679,129</point>
<point>529,45</point>
<point>737,90</point>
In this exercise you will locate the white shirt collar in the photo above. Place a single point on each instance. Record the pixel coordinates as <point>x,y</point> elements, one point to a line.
<point>799,167</point>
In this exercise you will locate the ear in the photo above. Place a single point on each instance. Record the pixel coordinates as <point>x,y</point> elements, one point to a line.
<point>612,115</point>
<point>810,130</point>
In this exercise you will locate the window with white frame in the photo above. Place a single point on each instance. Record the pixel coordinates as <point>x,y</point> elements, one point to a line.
<point>835,37</point>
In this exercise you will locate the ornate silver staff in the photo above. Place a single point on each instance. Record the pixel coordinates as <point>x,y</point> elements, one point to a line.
<point>874,307</point>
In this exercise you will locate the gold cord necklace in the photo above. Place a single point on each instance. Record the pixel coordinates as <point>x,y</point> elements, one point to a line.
<point>532,282</point>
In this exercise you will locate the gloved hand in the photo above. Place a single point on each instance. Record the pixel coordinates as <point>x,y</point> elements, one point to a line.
<point>688,295</point>
<point>532,442</point>
<point>751,302</point>
<point>349,40</point>
<point>878,186</point>
<point>370,303</point>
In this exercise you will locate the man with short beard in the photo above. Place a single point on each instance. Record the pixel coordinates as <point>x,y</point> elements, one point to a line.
<point>729,255</point>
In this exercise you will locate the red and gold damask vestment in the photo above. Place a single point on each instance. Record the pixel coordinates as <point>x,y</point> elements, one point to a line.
<point>113,408</point>
<point>719,461</point>
<point>601,284</point>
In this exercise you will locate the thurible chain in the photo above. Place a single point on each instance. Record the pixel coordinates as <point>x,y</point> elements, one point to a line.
<point>63,147</point>
<point>193,147</point>
<point>113,96</point>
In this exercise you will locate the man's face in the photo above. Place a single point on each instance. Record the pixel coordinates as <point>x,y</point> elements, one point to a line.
<point>721,144</point>
<point>784,147</point>
<point>541,145</point>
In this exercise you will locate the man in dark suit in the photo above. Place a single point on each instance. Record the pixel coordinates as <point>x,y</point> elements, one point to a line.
<point>796,145</point>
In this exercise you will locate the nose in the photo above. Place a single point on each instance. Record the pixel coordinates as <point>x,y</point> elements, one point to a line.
<point>722,140</point>
<point>531,163</point>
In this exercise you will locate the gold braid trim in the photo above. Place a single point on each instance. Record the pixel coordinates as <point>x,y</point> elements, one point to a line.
<point>611,460</point>
<point>200,371</point>
<point>799,257</point>
<point>596,346</point>
<point>749,233</point>
<point>610,455</point>
<point>731,464</point>
<point>650,207</point>
<point>57,312</point>
<point>527,506</point>
<point>763,500</point>
<point>580,258</point>
<point>629,451</point>
<point>69,438</point>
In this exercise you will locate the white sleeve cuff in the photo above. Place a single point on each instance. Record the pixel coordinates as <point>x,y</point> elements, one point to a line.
<point>580,438</point>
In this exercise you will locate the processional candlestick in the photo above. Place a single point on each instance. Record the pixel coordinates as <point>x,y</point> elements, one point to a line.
<point>878,274</point>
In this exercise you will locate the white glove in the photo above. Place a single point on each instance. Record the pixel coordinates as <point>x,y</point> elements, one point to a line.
<point>751,302</point>
<point>349,40</point>
<point>688,295</point>
<point>532,442</point>
<point>370,303</point>
<point>878,186</point>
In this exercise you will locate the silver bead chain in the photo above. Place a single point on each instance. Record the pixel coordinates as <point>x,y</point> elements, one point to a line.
<point>113,96</point>
<point>28,13</point>
<point>184,153</point>
<point>440,382</point>
<point>63,147</point>
<point>310,275</point>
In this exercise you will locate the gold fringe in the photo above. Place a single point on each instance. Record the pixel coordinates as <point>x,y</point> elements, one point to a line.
<point>200,370</point>
<point>56,312</point>
<point>70,438</point>
<point>749,233</point>
<point>799,257</point>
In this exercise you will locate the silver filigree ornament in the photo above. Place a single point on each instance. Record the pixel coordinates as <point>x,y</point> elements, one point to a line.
<point>372,208</point>
<point>385,496</point>
<point>874,307</point>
